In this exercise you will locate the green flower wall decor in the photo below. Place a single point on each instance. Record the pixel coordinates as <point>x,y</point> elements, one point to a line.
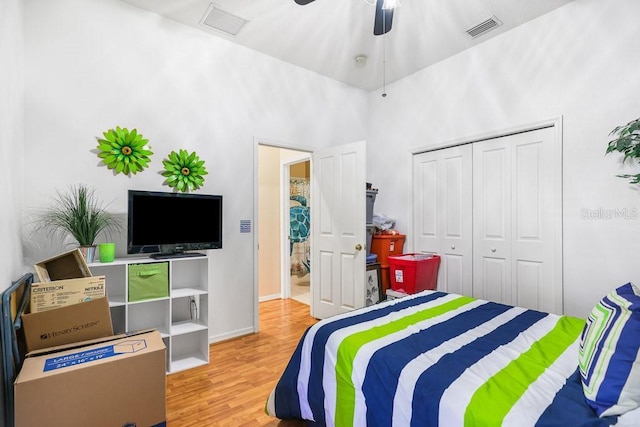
<point>124,151</point>
<point>184,171</point>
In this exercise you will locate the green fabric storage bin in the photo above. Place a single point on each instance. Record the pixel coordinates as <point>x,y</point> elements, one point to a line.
<point>148,280</point>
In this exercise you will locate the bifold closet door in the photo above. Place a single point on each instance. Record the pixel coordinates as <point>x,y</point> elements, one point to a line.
<point>442,212</point>
<point>516,219</point>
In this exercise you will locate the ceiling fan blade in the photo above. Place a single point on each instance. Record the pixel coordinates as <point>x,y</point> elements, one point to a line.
<point>303,2</point>
<point>383,19</point>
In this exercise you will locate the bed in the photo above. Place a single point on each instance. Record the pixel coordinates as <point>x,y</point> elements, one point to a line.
<point>442,359</point>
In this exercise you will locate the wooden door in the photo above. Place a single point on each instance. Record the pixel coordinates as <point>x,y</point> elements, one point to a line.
<point>517,220</point>
<point>442,186</point>
<point>338,223</point>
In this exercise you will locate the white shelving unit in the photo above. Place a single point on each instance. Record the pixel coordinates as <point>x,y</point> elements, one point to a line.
<point>182,318</point>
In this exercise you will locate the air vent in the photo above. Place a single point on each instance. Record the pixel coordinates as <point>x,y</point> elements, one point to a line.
<point>484,27</point>
<point>221,20</point>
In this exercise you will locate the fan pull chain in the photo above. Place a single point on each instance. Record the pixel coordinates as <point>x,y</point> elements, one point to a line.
<point>384,59</point>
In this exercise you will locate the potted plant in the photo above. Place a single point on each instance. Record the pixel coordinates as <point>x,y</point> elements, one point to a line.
<point>78,213</point>
<point>627,142</point>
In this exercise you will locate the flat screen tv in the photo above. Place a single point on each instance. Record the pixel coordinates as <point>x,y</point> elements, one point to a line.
<point>167,225</point>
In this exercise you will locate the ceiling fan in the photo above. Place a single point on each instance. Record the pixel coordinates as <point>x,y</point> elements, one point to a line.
<point>383,18</point>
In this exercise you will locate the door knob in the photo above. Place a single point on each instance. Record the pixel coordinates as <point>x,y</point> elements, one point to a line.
<point>358,247</point>
<point>493,249</point>
<point>453,246</point>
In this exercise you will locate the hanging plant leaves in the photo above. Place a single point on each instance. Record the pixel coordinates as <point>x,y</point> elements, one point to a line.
<point>627,142</point>
<point>124,151</point>
<point>184,171</point>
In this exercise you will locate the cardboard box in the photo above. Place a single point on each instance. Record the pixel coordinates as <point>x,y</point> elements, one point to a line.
<point>60,293</point>
<point>67,325</point>
<point>69,265</point>
<point>117,382</point>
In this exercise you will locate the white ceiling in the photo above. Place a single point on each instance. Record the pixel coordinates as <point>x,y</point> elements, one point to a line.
<point>325,36</point>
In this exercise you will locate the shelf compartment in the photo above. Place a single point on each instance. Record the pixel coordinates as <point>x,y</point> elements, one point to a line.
<point>189,350</point>
<point>189,273</point>
<point>149,315</point>
<point>189,313</point>
<point>115,279</point>
<point>118,319</point>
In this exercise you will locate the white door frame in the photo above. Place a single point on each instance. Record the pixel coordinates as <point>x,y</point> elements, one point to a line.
<point>285,224</point>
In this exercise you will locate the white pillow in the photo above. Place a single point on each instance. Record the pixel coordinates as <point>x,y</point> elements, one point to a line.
<point>609,359</point>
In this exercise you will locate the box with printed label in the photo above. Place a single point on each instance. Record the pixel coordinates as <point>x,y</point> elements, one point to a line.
<point>68,265</point>
<point>115,382</point>
<point>49,295</point>
<point>68,324</point>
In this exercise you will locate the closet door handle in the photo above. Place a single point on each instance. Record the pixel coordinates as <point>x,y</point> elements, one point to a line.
<point>493,249</point>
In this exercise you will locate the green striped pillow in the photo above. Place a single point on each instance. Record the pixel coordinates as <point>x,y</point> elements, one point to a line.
<point>609,353</point>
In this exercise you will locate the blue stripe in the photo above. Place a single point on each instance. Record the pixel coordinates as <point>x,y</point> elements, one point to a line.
<point>627,346</point>
<point>614,309</point>
<point>435,380</point>
<point>316,391</point>
<point>570,409</point>
<point>286,398</point>
<point>395,357</point>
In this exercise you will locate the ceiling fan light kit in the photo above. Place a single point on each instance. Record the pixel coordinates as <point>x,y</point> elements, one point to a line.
<point>382,22</point>
<point>383,17</point>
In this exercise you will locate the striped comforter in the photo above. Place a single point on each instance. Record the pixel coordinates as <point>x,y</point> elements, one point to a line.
<point>437,359</point>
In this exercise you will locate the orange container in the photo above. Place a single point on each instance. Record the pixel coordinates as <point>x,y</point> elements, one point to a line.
<point>384,245</point>
<point>384,278</point>
<point>411,273</point>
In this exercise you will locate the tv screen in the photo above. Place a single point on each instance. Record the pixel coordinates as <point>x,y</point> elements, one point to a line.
<point>169,224</point>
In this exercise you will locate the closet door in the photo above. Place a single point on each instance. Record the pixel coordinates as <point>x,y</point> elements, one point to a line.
<point>517,220</point>
<point>442,212</point>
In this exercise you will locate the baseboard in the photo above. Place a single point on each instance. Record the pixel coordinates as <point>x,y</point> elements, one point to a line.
<point>269,297</point>
<point>229,335</point>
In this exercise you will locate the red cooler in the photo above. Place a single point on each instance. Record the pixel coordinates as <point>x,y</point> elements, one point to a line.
<point>411,273</point>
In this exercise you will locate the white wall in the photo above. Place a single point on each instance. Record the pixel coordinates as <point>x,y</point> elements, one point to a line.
<point>580,62</point>
<point>269,232</point>
<point>11,142</point>
<point>90,66</point>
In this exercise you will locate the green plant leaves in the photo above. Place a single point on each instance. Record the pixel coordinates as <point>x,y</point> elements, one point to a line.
<point>79,213</point>
<point>124,151</point>
<point>184,171</point>
<point>627,142</point>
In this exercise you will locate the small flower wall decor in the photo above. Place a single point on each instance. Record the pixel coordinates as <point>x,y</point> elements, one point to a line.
<point>184,170</point>
<point>124,151</point>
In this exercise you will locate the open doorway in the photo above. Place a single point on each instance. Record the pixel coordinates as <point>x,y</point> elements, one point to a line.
<point>282,261</point>
<point>337,275</point>
<point>299,234</point>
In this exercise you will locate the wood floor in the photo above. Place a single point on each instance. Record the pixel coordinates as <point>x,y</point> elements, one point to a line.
<point>232,390</point>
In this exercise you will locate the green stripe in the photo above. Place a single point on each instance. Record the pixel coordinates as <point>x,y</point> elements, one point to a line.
<point>349,347</point>
<point>595,338</point>
<point>593,335</point>
<point>519,374</point>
